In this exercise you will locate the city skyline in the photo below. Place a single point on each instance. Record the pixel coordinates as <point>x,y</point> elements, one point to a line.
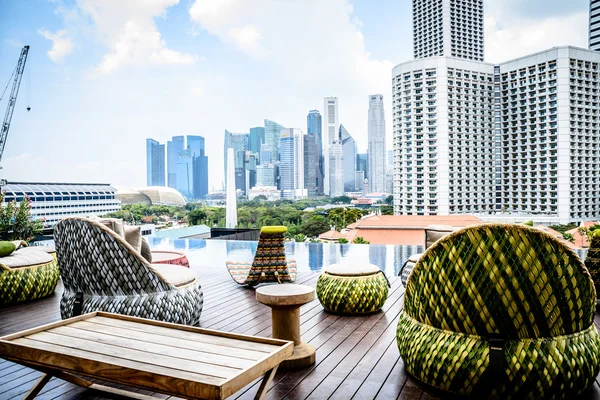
<point>98,101</point>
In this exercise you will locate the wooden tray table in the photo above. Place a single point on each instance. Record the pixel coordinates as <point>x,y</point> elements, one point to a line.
<point>173,359</point>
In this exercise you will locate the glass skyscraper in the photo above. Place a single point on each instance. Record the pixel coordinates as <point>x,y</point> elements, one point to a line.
<point>239,142</point>
<point>200,166</point>
<point>349,149</point>
<point>174,147</point>
<point>272,133</point>
<point>155,163</point>
<point>310,164</point>
<point>314,125</point>
<point>257,137</point>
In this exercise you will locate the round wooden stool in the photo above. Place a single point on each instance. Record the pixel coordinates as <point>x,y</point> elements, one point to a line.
<point>285,301</point>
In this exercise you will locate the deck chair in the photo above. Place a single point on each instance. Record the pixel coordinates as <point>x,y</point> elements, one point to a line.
<point>269,263</point>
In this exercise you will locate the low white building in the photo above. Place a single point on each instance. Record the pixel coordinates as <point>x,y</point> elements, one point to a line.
<point>270,192</point>
<point>55,201</point>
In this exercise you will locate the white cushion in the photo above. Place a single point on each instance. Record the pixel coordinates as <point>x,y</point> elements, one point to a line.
<point>174,274</point>
<point>351,269</point>
<point>415,257</point>
<point>26,258</point>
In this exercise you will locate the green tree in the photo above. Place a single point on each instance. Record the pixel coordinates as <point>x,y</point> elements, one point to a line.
<point>341,200</point>
<point>360,240</point>
<point>196,217</point>
<point>300,238</point>
<point>389,200</point>
<point>340,218</point>
<point>569,237</point>
<point>314,226</point>
<point>16,222</point>
<point>343,241</point>
<point>563,228</point>
<point>387,210</point>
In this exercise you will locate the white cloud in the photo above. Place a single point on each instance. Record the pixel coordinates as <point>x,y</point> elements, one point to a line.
<point>62,45</point>
<point>509,35</point>
<point>128,29</point>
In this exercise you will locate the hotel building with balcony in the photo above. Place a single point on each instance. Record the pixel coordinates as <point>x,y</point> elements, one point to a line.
<point>513,141</point>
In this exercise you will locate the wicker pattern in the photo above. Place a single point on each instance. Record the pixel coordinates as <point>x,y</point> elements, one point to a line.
<point>269,265</point>
<point>113,277</point>
<point>352,294</point>
<point>507,282</point>
<point>27,283</point>
<point>592,261</point>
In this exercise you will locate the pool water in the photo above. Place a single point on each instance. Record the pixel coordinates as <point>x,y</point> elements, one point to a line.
<point>309,256</point>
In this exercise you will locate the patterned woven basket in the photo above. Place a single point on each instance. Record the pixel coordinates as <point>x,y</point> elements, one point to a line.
<point>500,311</point>
<point>360,294</point>
<point>28,283</point>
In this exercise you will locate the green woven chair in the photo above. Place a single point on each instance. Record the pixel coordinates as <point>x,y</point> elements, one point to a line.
<point>269,265</point>
<point>592,261</point>
<point>500,311</point>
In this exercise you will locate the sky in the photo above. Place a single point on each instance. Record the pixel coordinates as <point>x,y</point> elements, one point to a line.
<point>104,75</point>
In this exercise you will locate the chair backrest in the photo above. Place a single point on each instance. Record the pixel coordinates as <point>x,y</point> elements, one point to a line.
<point>95,260</point>
<point>433,233</point>
<point>270,253</point>
<point>507,281</point>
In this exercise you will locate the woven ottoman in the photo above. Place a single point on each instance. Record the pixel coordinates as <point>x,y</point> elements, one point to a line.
<point>352,289</point>
<point>27,274</point>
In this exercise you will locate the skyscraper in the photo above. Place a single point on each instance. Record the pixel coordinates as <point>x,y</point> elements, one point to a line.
<point>376,151</point>
<point>272,133</point>
<point>174,147</point>
<point>310,162</point>
<point>257,137</point>
<point>350,152</point>
<point>330,134</point>
<point>314,125</point>
<point>362,166</point>
<point>336,165</point>
<point>291,164</point>
<point>185,173</point>
<point>448,28</point>
<point>200,166</point>
<point>594,31</point>
<point>239,142</point>
<point>155,163</point>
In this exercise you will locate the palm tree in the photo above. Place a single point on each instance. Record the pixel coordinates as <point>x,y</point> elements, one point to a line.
<point>360,240</point>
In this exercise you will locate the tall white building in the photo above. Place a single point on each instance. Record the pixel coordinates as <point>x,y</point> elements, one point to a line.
<point>377,154</point>
<point>336,164</point>
<point>448,28</point>
<point>329,135</point>
<point>291,164</point>
<point>594,31</point>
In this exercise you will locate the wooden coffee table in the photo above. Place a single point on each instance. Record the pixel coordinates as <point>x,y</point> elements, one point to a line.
<point>285,301</point>
<point>167,358</point>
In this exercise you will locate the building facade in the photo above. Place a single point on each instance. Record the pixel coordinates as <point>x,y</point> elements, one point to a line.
<point>257,138</point>
<point>350,154</point>
<point>376,150</point>
<point>291,164</point>
<point>55,201</point>
<point>594,30</point>
<point>272,135</point>
<point>239,142</point>
<point>265,175</point>
<point>314,125</point>
<point>197,147</point>
<point>521,137</point>
<point>336,165</point>
<point>330,134</point>
<point>155,163</point>
<point>448,28</point>
<point>174,147</point>
<point>311,157</point>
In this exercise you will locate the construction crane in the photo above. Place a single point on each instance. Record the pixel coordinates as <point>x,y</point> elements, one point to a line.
<point>12,101</point>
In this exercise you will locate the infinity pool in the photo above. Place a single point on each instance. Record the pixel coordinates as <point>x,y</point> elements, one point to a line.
<point>309,256</point>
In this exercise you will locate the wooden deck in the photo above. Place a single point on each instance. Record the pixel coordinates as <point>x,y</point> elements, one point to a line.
<point>357,357</point>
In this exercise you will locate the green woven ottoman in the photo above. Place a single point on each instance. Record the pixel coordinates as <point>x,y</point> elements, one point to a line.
<point>352,289</point>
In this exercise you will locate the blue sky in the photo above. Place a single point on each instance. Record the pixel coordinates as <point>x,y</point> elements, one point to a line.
<point>103,75</point>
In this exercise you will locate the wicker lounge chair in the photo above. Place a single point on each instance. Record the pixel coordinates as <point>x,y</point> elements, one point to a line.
<point>500,311</point>
<point>104,273</point>
<point>269,263</point>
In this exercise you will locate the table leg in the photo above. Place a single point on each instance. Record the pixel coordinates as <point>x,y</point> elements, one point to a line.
<point>264,385</point>
<point>39,385</point>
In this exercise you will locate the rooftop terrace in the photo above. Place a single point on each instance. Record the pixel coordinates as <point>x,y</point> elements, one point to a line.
<point>357,357</point>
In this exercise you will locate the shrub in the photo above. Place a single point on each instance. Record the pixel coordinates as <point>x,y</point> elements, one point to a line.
<point>343,241</point>
<point>16,222</point>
